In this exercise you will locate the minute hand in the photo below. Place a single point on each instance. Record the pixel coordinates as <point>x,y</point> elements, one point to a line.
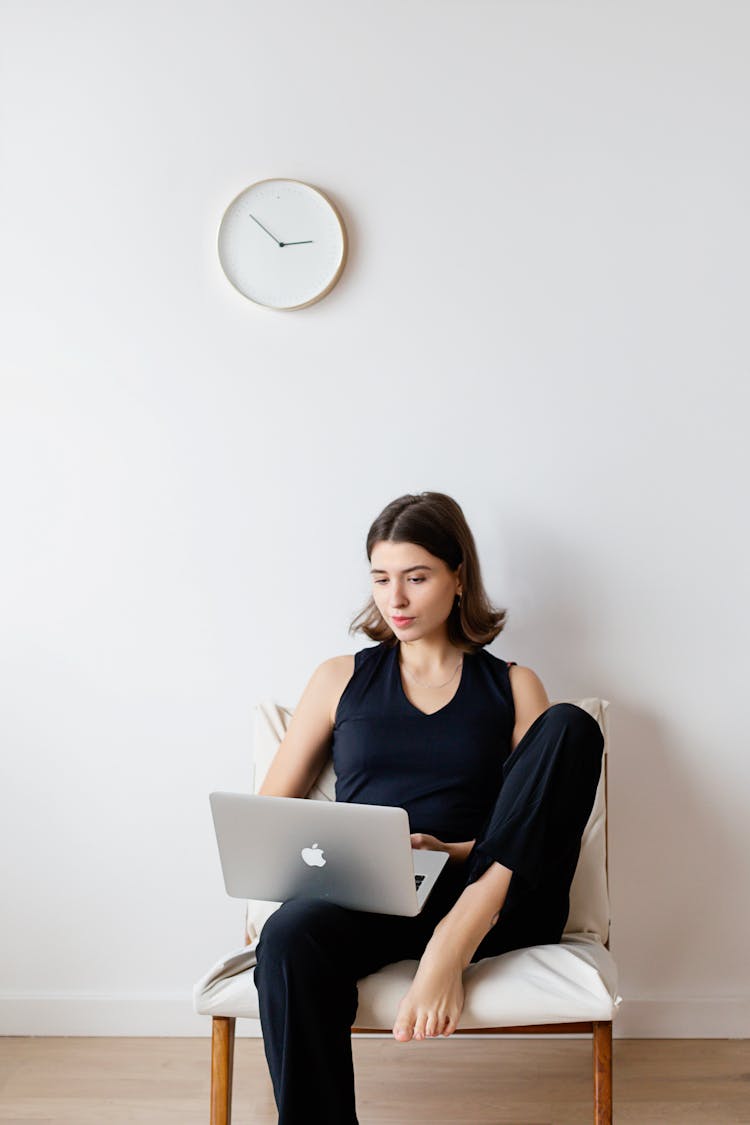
<point>260,224</point>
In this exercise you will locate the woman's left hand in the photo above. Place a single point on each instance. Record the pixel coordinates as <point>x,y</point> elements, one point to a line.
<point>455,851</point>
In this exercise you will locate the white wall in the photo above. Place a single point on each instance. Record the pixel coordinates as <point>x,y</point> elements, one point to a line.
<point>544,314</point>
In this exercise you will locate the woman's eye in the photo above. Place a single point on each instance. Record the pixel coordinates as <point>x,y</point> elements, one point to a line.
<point>380,581</point>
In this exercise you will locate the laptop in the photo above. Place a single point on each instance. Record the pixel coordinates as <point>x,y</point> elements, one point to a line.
<point>359,856</point>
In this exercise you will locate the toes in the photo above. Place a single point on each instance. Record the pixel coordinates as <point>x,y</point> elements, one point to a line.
<point>416,1023</point>
<point>403,1028</point>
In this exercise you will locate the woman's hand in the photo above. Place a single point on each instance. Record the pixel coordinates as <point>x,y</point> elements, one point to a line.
<point>457,852</point>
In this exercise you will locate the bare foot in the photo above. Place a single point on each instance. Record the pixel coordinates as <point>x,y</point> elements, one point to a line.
<point>434,1003</point>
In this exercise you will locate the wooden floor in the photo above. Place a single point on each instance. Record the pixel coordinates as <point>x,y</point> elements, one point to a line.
<point>447,1082</point>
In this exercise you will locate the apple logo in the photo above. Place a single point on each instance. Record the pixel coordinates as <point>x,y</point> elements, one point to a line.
<point>313,856</point>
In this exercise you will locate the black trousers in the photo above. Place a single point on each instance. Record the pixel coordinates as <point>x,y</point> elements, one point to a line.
<point>310,955</point>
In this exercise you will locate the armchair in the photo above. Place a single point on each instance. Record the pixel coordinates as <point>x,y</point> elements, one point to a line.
<point>545,989</point>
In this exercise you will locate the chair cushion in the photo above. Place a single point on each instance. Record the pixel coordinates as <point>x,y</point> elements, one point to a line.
<point>574,980</point>
<point>589,897</point>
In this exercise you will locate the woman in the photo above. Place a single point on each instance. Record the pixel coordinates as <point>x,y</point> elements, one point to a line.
<point>468,744</point>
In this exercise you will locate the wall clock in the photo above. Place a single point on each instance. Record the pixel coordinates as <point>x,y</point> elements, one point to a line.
<point>282,244</point>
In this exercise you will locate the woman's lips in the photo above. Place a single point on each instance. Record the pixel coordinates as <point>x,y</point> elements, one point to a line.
<point>402,620</point>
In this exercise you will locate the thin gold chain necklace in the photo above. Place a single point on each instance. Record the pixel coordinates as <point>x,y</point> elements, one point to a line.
<point>421,684</point>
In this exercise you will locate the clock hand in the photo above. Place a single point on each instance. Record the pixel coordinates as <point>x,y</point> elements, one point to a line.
<point>273,236</point>
<point>304,242</point>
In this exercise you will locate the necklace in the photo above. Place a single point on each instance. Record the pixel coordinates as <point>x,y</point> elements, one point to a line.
<point>421,684</point>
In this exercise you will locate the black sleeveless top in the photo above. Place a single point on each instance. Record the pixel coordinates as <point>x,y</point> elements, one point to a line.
<point>445,769</point>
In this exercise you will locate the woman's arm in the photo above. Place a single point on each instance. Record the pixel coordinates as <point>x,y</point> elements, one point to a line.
<point>303,751</point>
<point>529,699</point>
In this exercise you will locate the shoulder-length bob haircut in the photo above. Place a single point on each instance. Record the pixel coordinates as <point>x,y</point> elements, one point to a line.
<point>436,522</point>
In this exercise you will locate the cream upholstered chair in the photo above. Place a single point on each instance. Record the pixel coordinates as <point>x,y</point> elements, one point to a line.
<point>563,988</point>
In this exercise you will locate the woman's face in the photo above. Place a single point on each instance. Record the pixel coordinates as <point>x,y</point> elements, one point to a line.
<point>408,582</point>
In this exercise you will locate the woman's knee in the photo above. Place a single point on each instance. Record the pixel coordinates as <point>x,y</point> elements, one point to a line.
<point>573,719</point>
<point>302,953</point>
<point>297,926</point>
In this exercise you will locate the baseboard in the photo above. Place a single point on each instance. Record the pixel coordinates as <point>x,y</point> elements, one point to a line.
<point>692,1018</point>
<point>171,1014</point>
<point>117,1014</point>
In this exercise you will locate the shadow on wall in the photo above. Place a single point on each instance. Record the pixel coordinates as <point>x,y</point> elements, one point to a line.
<point>552,590</point>
<point>677,861</point>
<point>674,865</point>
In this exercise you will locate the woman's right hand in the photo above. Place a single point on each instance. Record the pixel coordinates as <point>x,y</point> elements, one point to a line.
<point>458,852</point>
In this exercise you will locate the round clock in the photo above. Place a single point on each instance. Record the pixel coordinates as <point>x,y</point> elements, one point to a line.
<point>282,243</point>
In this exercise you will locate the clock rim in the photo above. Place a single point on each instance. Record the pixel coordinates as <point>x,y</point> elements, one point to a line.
<point>339,219</point>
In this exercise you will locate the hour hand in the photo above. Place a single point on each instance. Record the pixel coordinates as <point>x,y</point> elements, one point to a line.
<point>260,224</point>
<point>304,242</point>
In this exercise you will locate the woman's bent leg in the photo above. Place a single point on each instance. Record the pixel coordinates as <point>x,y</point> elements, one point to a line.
<point>309,958</point>
<point>536,826</point>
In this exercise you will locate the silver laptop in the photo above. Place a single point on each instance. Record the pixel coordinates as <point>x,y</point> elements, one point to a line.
<point>360,856</point>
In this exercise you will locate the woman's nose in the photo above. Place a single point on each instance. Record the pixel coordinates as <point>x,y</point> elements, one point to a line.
<point>398,597</point>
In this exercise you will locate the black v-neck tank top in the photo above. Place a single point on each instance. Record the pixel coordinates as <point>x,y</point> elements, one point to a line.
<point>445,769</point>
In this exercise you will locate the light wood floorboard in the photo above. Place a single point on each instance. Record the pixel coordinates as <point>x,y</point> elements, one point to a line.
<point>59,1081</point>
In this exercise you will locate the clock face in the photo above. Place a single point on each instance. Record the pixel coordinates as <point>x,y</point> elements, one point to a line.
<point>282,244</point>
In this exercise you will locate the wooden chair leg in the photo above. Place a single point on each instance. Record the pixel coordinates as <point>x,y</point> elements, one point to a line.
<point>222,1063</point>
<point>603,1072</point>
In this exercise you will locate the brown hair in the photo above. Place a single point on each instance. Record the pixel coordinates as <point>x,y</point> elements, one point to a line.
<point>436,522</point>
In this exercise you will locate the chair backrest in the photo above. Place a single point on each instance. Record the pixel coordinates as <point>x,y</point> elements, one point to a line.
<point>589,894</point>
